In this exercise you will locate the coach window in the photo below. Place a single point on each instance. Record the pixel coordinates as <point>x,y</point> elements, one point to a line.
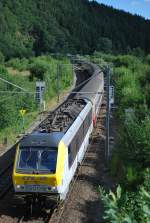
<point>77,143</point>
<point>70,159</point>
<point>90,116</point>
<point>81,135</point>
<point>72,152</point>
<point>86,126</point>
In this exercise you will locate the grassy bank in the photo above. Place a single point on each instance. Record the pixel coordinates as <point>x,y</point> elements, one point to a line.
<point>57,74</point>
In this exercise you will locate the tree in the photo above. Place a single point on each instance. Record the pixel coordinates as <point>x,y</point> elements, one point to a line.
<point>2,58</point>
<point>104,45</point>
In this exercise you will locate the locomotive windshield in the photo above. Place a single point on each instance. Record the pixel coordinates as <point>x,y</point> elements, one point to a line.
<point>34,160</point>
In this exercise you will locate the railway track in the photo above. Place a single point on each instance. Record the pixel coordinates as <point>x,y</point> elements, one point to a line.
<point>5,180</point>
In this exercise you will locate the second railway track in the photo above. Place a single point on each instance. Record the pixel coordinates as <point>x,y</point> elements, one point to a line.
<point>5,181</point>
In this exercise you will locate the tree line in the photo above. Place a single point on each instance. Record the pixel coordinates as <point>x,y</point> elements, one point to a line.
<point>36,27</point>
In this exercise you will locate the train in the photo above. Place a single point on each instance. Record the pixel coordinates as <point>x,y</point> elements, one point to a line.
<point>47,159</point>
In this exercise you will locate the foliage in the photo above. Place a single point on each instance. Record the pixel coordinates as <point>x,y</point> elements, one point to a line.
<point>138,52</point>
<point>13,99</point>
<point>128,92</point>
<point>7,107</point>
<point>127,61</point>
<point>3,70</point>
<point>2,58</point>
<point>45,27</point>
<point>138,143</point>
<point>18,64</point>
<point>104,45</point>
<point>131,157</point>
<point>147,59</point>
<point>128,207</point>
<point>38,69</point>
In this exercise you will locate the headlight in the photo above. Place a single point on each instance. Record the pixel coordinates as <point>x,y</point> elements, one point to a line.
<point>53,189</point>
<point>20,187</point>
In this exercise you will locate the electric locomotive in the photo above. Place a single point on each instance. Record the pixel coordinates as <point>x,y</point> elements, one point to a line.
<point>46,160</point>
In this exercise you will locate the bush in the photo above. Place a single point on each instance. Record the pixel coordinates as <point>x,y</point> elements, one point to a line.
<point>127,207</point>
<point>2,58</point>
<point>8,112</point>
<point>147,59</point>
<point>3,70</point>
<point>128,92</point>
<point>104,45</point>
<point>19,64</point>
<point>126,61</point>
<point>138,52</point>
<point>38,69</point>
<point>131,156</point>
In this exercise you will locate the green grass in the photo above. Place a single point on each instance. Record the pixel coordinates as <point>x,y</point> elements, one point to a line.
<point>15,71</point>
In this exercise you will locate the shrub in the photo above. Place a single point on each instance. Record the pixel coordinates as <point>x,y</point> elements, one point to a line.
<point>126,206</point>
<point>147,59</point>
<point>126,61</point>
<point>131,157</point>
<point>38,69</point>
<point>7,111</point>
<point>128,92</point>
<point>138,52</point>
<point>19,64</point>
<point>3,70</point>
<point>2,58</point>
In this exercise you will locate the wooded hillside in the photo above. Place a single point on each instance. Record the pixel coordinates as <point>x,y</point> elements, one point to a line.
<point>34,27</point>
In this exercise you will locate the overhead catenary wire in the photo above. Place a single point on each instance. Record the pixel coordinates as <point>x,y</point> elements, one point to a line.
<point>84,82</point>
<point>4,99</point>
<point>33,92</point>
<point>18,92</point>
<point>86,92</point>
<point>8,98</point>
<point>17,86</point>
<point>24,91</point>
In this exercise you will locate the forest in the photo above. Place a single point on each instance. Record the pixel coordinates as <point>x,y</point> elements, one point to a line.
<point>35,27</point>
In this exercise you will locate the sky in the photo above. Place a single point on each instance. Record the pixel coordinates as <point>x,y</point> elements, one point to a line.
<point>140,7</point>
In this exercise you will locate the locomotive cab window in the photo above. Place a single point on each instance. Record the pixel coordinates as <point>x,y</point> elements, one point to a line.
<point>38,160</point>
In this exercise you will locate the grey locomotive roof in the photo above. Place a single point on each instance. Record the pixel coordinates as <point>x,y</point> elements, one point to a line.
<point>62,118</point>
<point>92,87</point>
<point>37,139</point>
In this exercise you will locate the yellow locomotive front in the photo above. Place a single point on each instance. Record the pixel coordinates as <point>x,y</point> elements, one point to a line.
<point>37,169</point>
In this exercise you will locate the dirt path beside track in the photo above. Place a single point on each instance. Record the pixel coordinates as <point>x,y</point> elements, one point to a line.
<point>84,204</point>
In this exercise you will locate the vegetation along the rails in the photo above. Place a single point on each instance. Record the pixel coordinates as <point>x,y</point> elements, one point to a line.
<point>24,73</point>
<point>130,162</point>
